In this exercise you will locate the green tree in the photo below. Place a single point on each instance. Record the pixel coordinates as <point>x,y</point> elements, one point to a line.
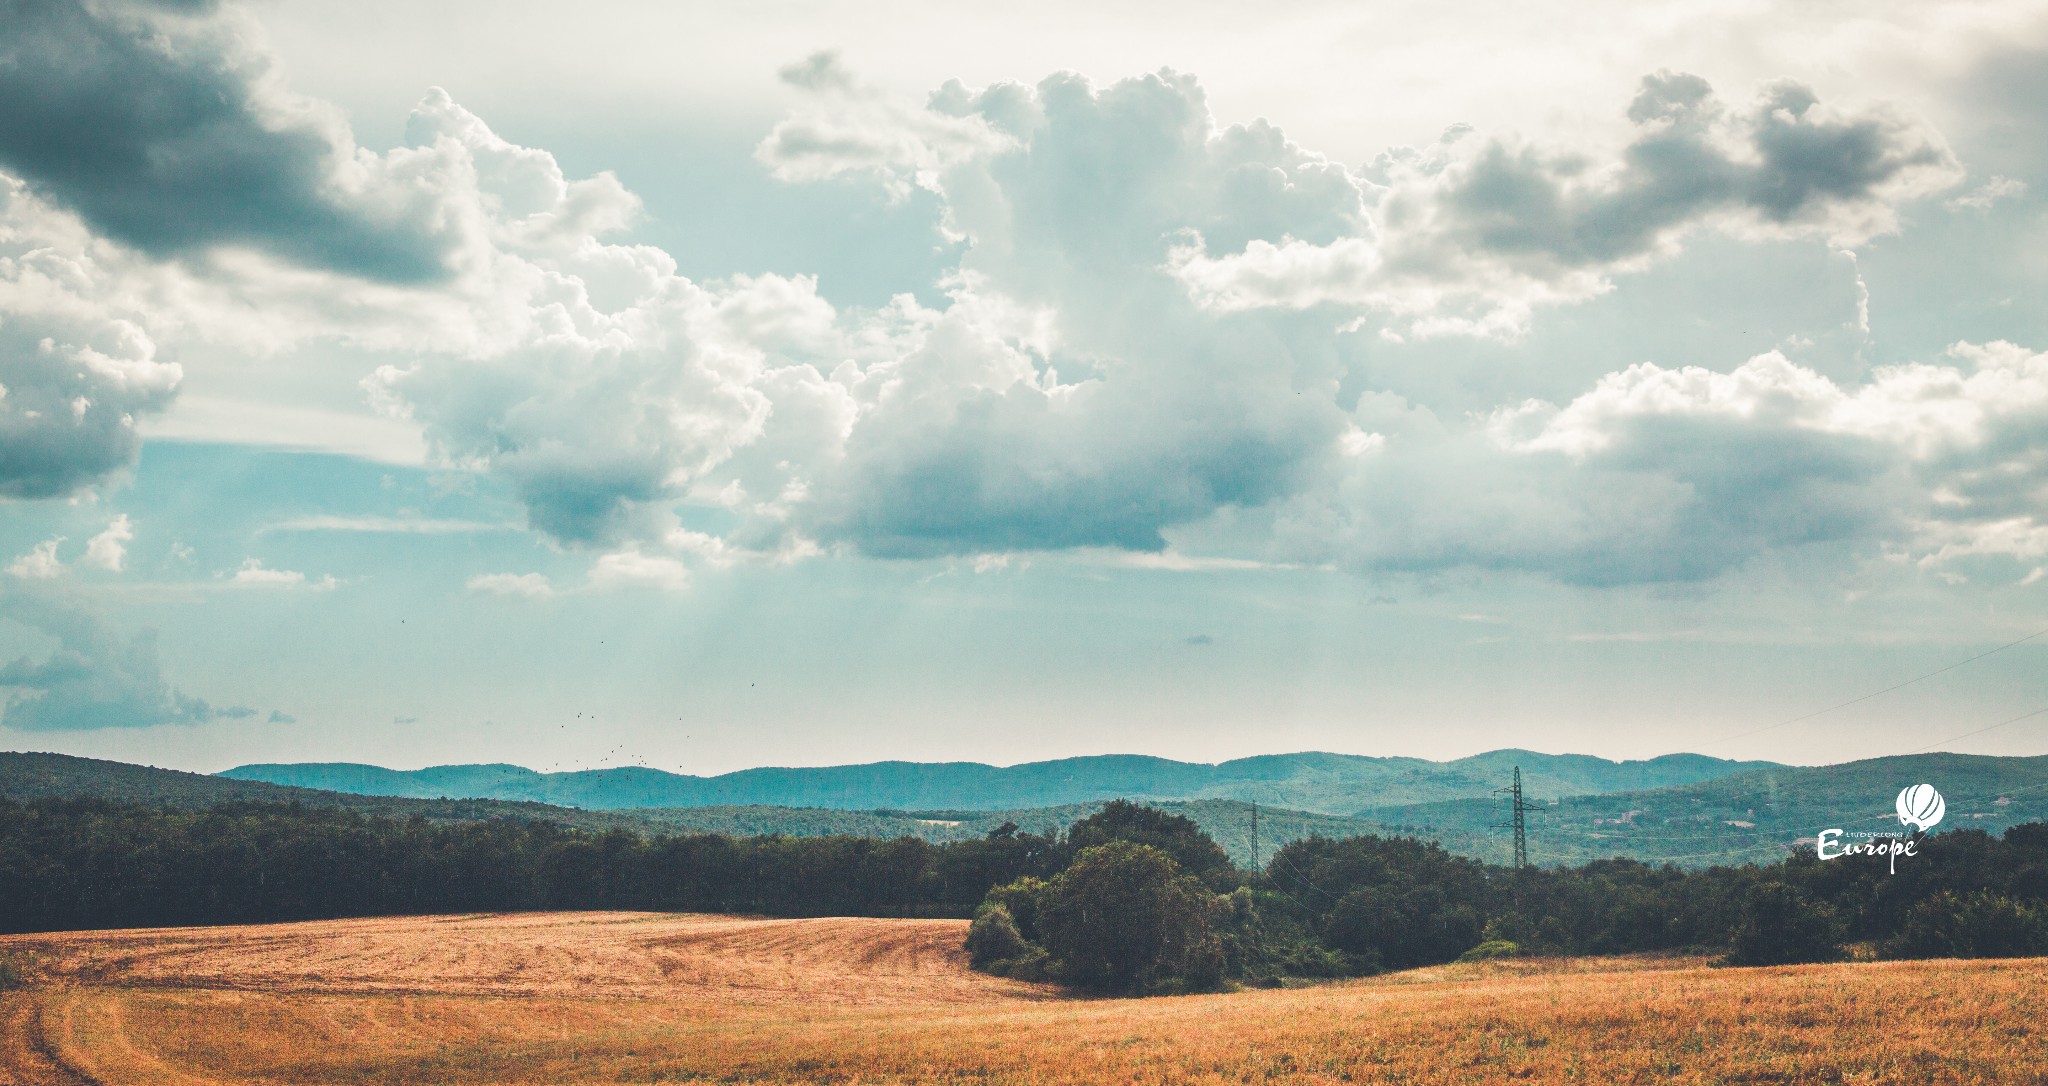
<point>1402,929</point>
<point>1176,835</point>
<point>994,945</point>
<point>1124,918</point>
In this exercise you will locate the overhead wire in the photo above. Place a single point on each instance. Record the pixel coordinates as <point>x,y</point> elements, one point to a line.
<point>1878,693</point>
<point>2005,793</point>
<point>1981,731</point>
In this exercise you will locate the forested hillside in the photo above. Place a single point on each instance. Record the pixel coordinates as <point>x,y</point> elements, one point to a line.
<point>1339,784</point>
<point>1692,825</point>
<point>39,776</point>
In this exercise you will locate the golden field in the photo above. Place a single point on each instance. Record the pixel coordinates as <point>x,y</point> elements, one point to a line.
<point>590,998</point>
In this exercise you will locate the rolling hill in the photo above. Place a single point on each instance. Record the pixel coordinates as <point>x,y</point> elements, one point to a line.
<point>1338,784</point>
<point>30,775</point>
<point>27,776</point>
<point>1753,815</point>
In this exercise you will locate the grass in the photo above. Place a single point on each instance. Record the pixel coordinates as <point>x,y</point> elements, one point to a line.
<point>744,1019</point>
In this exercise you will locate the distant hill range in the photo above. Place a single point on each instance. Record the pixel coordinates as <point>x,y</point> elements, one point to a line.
<point>1748,812</point>
<point>1750,815</point>
<point>1337,784</point>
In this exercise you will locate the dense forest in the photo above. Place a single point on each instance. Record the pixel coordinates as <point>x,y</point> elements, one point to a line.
<point>70,864</point>
<point>1129,899</point>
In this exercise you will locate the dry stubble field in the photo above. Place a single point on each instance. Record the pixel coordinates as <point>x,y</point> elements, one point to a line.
<point>576,998</point>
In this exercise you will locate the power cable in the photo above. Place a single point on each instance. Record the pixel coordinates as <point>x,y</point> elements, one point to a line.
<point>1879,693</point>
<point>1980,731</point>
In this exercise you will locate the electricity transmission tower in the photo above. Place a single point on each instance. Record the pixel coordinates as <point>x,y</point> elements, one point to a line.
<point>1255,836</point>
<point>1521,829</point>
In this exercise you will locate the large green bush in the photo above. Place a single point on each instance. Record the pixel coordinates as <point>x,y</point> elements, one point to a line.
<point>1022,899</point>
<point>994,945</point>
<point>1780,926</point>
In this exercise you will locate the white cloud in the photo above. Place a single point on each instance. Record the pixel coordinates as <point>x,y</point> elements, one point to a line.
<point>40,563</point>
<point>1173,562</point>
<point>2024,538</point>
<point>327,522</point>
<point>78,366</point>
<point>851,128</point>
<point>1471,236</point>
<point>533,586</point>
<point>254,574</point>
<point>359,434</point>
<point>1927,410</point>
<point>1135,353</point>
<point>1681,474</point>
<point>1994,189</point>
<point>630,568</point>
<point>109,549</point>
<point>1098,378</point>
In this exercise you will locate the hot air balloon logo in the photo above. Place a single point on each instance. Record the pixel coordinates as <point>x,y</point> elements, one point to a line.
<point>1921,806</point>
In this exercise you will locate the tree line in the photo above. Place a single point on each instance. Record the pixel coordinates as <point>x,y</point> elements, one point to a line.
<point>83,863</point>
<point>1129,899</point>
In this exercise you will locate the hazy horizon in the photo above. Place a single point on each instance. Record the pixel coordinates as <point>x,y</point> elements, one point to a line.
<point>487,761</point>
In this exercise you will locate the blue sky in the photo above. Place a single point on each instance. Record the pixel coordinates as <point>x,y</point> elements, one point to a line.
<point>704,388</point>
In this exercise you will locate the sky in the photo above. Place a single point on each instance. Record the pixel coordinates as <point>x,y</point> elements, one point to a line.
<point>710,386</point>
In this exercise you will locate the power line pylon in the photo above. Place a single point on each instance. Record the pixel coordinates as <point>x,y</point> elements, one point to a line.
<point>1255,837</point>
<point>1520,825</point>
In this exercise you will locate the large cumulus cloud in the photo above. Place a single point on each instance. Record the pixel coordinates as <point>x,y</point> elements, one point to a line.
<point>604,386</point>
<point>1164,395</point>
<point>1473,235</point>
<point>1658,474</point>
<point>1073,394</point>
<point>1067,392</point>
<point>1091,379</point>
<point>165,198</point>
<point>78,365</point>
<point>1146,343</point>
<point>161,124</point>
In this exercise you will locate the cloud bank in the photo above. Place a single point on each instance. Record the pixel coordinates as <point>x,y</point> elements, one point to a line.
<point>93,678</point>
<point>1150,342</point>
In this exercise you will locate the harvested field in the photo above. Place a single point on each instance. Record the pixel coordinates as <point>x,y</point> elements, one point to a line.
<point>720,959</point>
<point>637,998</point>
